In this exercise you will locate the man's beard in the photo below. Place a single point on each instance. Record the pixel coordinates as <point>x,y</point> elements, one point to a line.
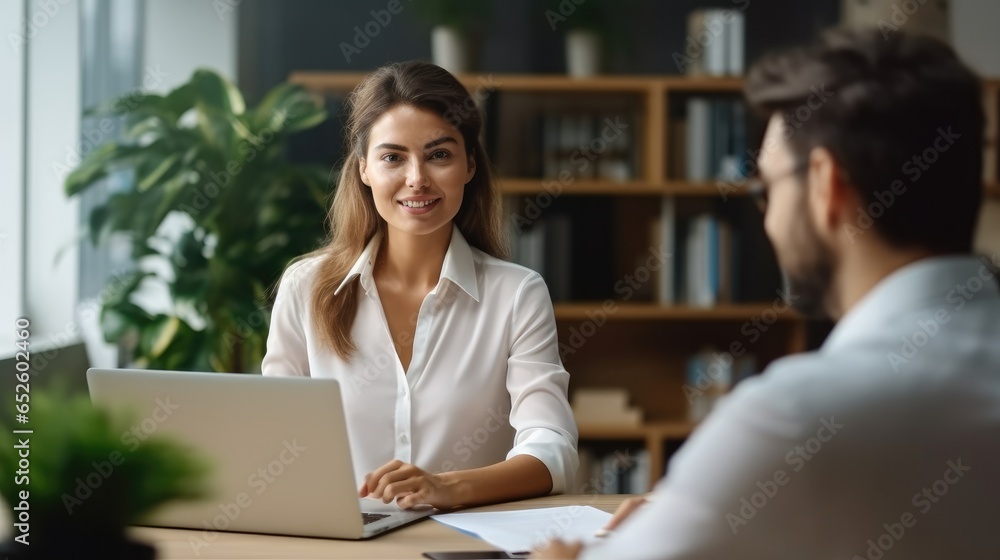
<point>810,277</point>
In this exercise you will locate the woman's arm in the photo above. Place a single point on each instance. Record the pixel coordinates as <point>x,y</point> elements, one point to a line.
<point>517,478</point>
<point>287,353</point>
<point>538,383</point>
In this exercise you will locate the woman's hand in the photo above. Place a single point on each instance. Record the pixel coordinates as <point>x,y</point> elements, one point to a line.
<point>557,550</point>
<point>409,486</point>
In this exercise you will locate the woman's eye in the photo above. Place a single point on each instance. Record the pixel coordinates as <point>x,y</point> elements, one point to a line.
<point>440,154</point>
<point>391,158</point>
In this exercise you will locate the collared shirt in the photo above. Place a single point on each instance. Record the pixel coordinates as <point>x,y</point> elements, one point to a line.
<point>485,382</point>
<point>885,443</point>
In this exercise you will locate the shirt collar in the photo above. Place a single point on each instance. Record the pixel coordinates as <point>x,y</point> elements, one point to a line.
<point>459,265</point>
<point>924,284</point>
<point>363,266</point>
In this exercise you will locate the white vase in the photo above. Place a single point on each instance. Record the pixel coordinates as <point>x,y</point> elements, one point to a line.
<point>450,49</point>
<point>583,53</point>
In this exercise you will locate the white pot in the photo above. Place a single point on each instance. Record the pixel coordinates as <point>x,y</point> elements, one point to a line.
<point>583,53</point>
<point>450,49</point>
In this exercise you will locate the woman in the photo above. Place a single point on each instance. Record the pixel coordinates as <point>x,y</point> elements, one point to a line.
<point>447,355</point>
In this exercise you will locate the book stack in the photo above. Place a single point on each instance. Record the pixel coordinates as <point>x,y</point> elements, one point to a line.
<point>715,138</point>
<point>605,407</point>
<point>710,375</point>
<point>544,246</point>
<point>703,267</point>
<point>587,145</point>
<point>708,262</point>
<point>612,472</point>
<point>715,43</point>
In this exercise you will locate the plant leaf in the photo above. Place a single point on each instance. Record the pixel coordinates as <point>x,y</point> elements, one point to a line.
<point>212,90</point>
<point>116,321</point>
<point>154,176</point>
<point>97,164</point>
<point>288,108</point>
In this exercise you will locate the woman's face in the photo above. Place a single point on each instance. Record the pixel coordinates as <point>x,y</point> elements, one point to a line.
<point>417,168</point>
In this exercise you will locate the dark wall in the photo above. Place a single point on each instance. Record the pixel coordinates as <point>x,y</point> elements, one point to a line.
<point>277,38</point>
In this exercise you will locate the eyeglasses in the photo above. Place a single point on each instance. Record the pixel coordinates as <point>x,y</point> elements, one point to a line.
<point>758,188</point>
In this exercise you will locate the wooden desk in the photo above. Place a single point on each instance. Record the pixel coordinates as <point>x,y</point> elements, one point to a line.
<point>409,542</point>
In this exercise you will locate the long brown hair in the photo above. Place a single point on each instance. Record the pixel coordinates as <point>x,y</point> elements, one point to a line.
<point>353,219</point>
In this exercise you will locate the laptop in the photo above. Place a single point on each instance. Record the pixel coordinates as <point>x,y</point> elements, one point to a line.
<point>278,447</point>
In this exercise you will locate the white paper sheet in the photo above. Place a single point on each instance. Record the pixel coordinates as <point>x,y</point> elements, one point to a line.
<point>523,530</point>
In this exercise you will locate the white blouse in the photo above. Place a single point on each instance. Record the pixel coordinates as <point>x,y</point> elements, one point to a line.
<point>485,382</point>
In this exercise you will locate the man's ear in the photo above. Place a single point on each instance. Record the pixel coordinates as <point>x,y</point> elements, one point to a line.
<point>829,196</point>
<point>362,167</point>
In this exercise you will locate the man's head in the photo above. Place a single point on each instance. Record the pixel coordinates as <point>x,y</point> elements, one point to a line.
<point>872,141</point>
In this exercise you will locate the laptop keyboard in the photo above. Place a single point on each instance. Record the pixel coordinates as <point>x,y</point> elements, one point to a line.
<point>373,517</point>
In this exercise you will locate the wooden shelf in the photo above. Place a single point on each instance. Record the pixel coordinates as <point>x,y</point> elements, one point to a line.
<point>688,188</point>
<point>652,435</point>
<point>679,429</point>
<point>652,311</point>
<point>344,82</point>
<point>732,84</point>
<point>522,185</point>
<point>579,186</point>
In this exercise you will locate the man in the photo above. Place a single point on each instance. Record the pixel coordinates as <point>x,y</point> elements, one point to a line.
<point>885,443</point>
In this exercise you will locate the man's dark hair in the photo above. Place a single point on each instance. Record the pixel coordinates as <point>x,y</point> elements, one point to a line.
<point>876,103</point>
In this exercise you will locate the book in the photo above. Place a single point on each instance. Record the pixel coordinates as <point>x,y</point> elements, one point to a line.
<point>557,257</point>
<point>716,43</point>
<point>699,118</point>
<point>664,233</point>
<point>735,43</point>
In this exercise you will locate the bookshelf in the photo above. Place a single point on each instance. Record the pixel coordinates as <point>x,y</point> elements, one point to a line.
<point>644,345</point>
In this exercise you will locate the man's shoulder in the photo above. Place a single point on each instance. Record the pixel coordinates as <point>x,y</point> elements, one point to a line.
<point>810,382</point>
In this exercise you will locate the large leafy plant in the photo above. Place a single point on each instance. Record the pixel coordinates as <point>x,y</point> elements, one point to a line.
<point>200,152</point>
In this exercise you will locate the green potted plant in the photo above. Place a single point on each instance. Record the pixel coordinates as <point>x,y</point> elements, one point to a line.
<point>72,486</point>
<point>456,31</point>
<point>200,152</point>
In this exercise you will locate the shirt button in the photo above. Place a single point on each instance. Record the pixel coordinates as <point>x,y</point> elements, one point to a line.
<point>403,438</point>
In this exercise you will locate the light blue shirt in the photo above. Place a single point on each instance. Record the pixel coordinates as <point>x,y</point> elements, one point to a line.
<point>885,443</point>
